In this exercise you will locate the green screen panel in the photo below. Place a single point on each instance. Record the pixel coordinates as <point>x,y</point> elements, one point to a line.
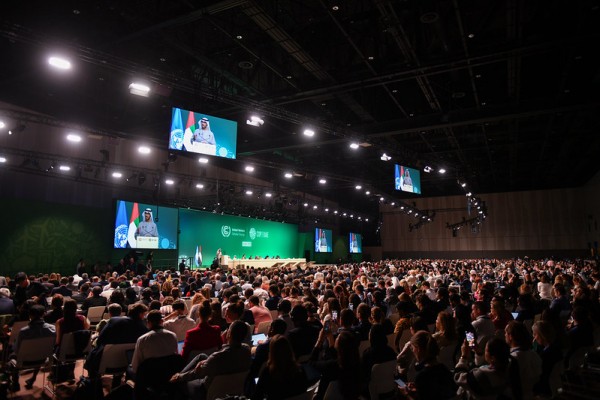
<point>203,233</point>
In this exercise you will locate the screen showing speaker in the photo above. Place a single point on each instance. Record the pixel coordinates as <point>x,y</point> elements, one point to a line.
<point>145,226</point>
<point>200,133</point>
<point>407,179</point>
<point>355,242</point>
<point>323,240</point>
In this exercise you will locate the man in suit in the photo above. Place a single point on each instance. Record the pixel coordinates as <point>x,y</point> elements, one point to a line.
<point>62,289</point>
<point>235,357</point>
<point>303,336</point>
<point>95,300</point>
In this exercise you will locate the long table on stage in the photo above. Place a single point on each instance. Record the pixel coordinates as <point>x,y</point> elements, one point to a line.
<point>263,263</point>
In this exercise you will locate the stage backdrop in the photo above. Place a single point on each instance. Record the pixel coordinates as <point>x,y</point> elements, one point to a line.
<point>203,233</point>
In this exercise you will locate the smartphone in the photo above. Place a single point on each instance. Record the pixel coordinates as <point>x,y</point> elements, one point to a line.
<point>400,383</point>
<point>334,315</point>
<point>327,326</point>
<point>470,339</point>
<point>351,306</point>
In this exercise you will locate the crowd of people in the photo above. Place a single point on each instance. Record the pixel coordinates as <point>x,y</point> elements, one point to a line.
<point>479,329</point>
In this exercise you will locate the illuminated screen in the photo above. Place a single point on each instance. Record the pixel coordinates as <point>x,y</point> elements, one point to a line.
<point>145,226</point>
<point>202,134</point>
<point>203,233</point>
<point>323,240</point>
<point>355,242</point>
<point>407,179</point>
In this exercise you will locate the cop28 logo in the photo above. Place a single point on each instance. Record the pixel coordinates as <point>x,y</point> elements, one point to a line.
<point>225,230</point>
<point>252,233</point>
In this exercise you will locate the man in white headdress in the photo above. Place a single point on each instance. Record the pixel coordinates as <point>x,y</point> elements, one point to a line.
<point>204,134</point>
<point>147,228</point>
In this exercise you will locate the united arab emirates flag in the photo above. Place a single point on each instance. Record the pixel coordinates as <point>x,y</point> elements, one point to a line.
<point>133,225</point>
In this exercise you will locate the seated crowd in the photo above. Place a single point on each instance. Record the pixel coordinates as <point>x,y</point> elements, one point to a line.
<point>477,329</point>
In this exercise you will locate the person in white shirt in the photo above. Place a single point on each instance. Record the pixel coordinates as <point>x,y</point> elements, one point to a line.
<point>530,363</point>
<point>484,329</point>
<point>159,342</point>
<point>544,287</point>
<point>178,322</point>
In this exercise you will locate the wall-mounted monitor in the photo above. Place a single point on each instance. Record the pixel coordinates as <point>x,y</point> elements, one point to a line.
<point>202,133</point>
<point>407,179</point>
<point>355,242</point>
<point>145,226</point>
<point>323,241</point>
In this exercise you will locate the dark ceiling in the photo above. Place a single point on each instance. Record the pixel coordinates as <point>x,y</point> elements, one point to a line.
<point>503,94</point>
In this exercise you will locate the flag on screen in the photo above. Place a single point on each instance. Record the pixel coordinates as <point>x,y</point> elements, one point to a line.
<point>176,141</point>
<point>121,226</point>
<point>198,257</point>
<point>133,224</point>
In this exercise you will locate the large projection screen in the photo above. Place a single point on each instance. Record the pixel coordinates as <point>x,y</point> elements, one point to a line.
<point>203,233</point>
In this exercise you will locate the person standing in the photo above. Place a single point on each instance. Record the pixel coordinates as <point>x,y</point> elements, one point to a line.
<point>147,228</point>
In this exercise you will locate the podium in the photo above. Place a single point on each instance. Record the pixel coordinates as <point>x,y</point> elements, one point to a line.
<point>143,242</point>
<point>224,261</point>
<point>204,148</point>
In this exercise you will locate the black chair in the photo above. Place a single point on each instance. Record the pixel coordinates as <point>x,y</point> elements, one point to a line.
<point>152,378</point>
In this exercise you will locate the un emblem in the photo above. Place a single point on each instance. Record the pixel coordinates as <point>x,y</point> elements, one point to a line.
<point>225,230</point>
<point>121,236</point>
<point>252,233</point>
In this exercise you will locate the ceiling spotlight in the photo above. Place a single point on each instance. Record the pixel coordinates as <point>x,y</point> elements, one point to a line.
<point>117,174</point>
<point>358,187</point>
<point>344,214</point>
<point>385,157</point>
<point>239,37</point>
<point>139,89</point>
<point>2,159</point>
<point>305,204</point>
<point>199,186</point>
<point>169,181</point>
<point>393,203</point>
<point>351,215</point>
<point>463,184</point>
<point>335,212</point>
<point>203,160</point>
<point>309,132</point>
<point>255,121</point>
<point>354,145</point>
<point>410,211</point>
<point>367,219</point>
<point>480,212</point>
<point>367,193</point>
<point>402,207</point>
<point>249,192</point>
<point>268,194</point>
<point>322,181</point>
<point>249,168</point>
<point>327,210</point>
<point>442,170</point>
<point>60,63</point>
<point>315,207</point>
<point>427,169</point>
<point>335,8</point>
<point>288,175</point>
<point>469,194</point>
<point>370,58</point>
<point>72,137</point>
<point>144,149</point>
<point>64,168</point>
<point>2,124</point>
<point>471,35</point>
<point>381,199</point>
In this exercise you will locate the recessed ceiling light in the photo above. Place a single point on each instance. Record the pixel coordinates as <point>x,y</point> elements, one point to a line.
<point>335,212</point>
<point>411,115</point>
<point>468,194</point>
<point>371,58</point>
<point>309,132</point>
<point>268,194</point>
<point>322,181</point>
<point>117,175</point>
<point>239,37</point>
<point>249,192</point>
<point>60,63</point>
<point>72,137</point>
<point>64,168</point>
<point>305,204</point>
<point>315,207</point>
<point>335,8</point>
<point>357,187</point>
<point>402,207</point>
<point>427,169</point>
<point>385,157</point>
<point>367,193</point>
<point>289,77</point>
<point>255,121</point>
<point>288,175</point>
<point>463,184</point>
<point>139,89</point>
<point>393,203</point>
<point>199,186</point>
<point>471,35</point>
<point>203,160</point>
<point>354,145</point>
<point>249,168</point>
<point>381,199</point>
<point>442,170</point>
<point>144,149</point>
<point>169,181</point>
<point>344,214</point>
<point>2,159</point>
<point>367,219</point>
<point>2,124</point>
<point>327,210</point>
<point>395,91</point>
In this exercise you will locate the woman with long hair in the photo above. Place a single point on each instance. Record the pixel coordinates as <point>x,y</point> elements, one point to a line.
<point>283,377</point>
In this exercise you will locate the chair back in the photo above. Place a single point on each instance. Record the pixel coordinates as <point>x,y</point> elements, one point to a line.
<point>16,329</point>
<point>403,339</point>
<point>75,346</point>
<point>152,376</point>
<point>364,344</point>
<point>33,353</point>
<point>274,314</point>
<point>382,379</point>
<point>394,318</point>
<point>333,391</point>
<point>114,358</point>
<point>391,339</point>
<point>555,378</point>
<point>95,314</point>
<point>447,355</point>
<point>230,384</point>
